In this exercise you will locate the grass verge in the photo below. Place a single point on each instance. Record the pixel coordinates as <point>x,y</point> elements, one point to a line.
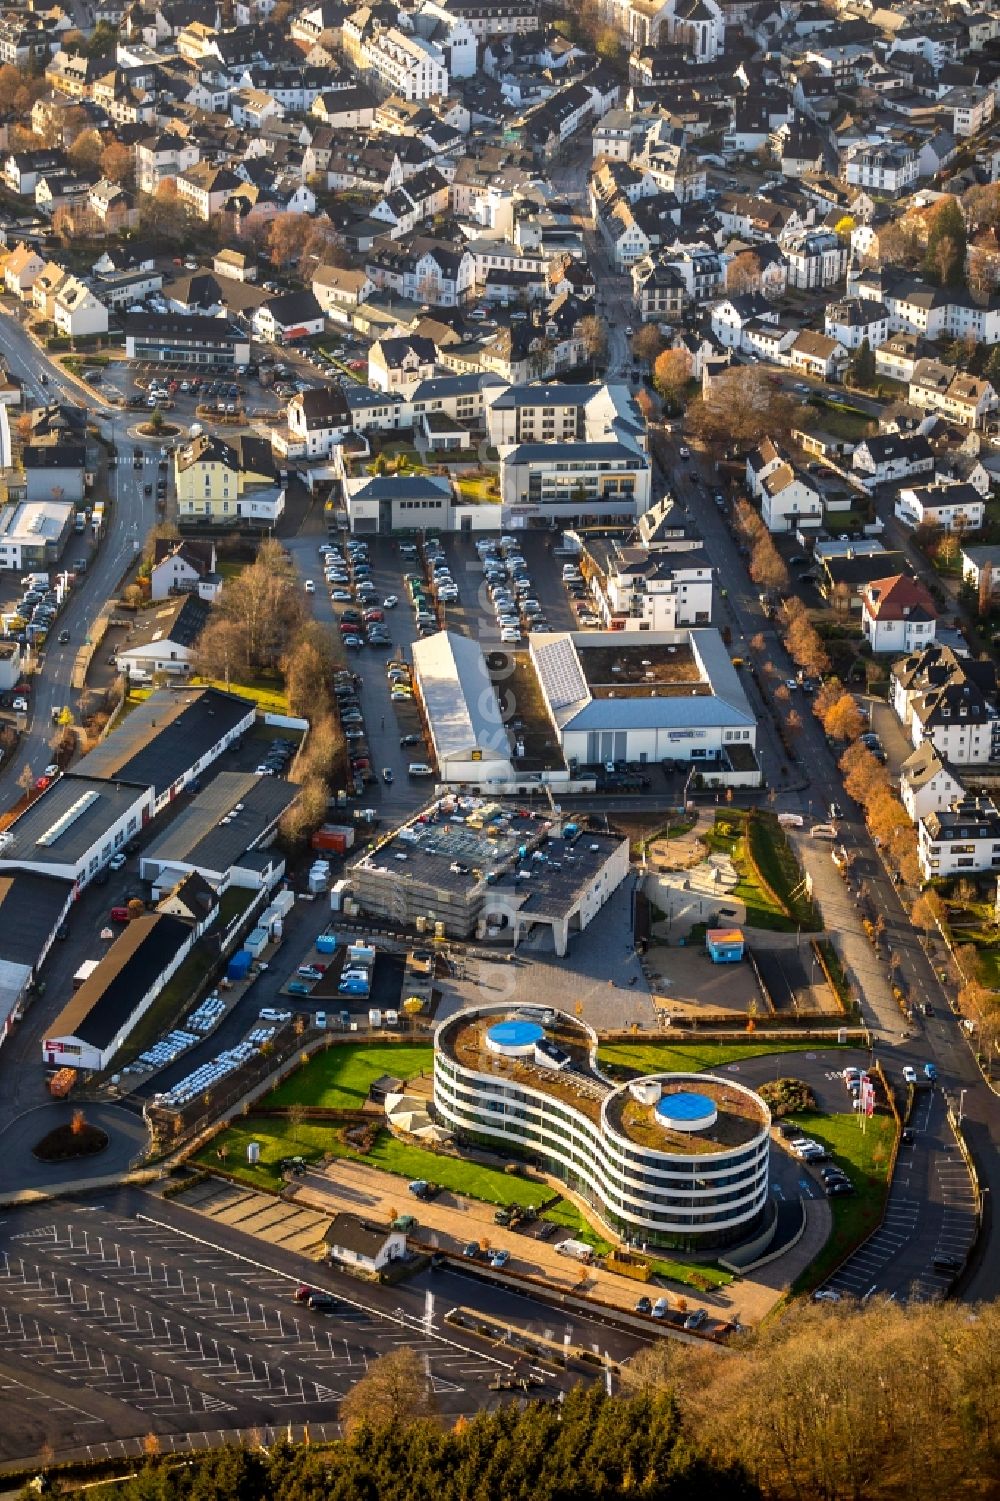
<point>776,862</point>
<point>280,1138</point>
<point>266,693</point>
<point>864,1157</point>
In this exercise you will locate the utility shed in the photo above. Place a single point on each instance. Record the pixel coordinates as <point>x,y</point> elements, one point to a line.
<point>725,945</point>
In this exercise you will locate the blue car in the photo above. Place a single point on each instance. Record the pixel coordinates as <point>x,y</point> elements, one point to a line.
<point>930,1072</point>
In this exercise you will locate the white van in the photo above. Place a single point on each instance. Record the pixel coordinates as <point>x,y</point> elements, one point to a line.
<point>419,769</point>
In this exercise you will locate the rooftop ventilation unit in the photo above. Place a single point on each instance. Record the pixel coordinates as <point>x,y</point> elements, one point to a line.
<point>69,818</point>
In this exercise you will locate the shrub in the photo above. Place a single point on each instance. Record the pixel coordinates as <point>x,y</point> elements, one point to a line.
<point>787,1096</point>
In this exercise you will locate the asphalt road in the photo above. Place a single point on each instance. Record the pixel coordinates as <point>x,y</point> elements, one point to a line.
<point>132,515</point>
<point>130,1315</point>
<point>817,784</point>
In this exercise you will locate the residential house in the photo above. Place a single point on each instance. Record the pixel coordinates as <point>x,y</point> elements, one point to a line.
<point>289,317</point>
<point>981,571</point>
<point>961,840</point>
<point>185,567</point>
<point>888,457</point>
<point>857,319</point>
<point>818,355</point>
<point>399,364</point>
<point>22,266</point>
<point>230,482</point>
<point>318,420</point>
<point>76,311</point>
<point>949,700</point>
<point>164,640</point>
<point>928,783</point>
<point>815,259</point>
<point>887,168</point>
<point>935,387</point>
<point>359,1244</point>
<point>897,614</point>
<point>948,505</point>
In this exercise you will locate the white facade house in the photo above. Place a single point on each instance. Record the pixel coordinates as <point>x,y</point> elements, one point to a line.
<point>856,319</point>
<point>887,168</point>
<point>892,456</point>
<point>500,1081</point>
<point>927,784</point>
<point>952,507</point>
<point>396,62</point>
<point>897,614</point>
<point>353,1242</point>
<point>789,501</point>
<point>949,701</point>
<point>816,258</point>
<point>660,591</point>
<point>76,311</point>
<point>961,840</point>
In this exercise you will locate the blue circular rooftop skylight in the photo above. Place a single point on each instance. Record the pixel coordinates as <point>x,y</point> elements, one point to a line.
<point>686,1111</point>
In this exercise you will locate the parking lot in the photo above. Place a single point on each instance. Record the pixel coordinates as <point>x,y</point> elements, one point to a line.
<point>930,1213</point>
<point>145,1318</point>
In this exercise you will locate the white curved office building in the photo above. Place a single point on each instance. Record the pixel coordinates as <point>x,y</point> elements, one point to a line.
<point>670,1160</point>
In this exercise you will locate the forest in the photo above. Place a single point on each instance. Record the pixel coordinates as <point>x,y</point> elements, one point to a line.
<point>828,1403</point>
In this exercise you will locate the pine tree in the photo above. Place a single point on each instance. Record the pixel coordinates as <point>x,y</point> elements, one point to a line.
<point>862,366</point>
<point>944,258</point>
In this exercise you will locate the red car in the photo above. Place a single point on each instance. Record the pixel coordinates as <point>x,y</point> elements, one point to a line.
<point>119,914</point>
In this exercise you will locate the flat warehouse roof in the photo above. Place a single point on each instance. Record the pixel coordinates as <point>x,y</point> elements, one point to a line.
<point>164,737</point>
<point>30,906</point>
<point>199,837</point>
<point>68,819</point>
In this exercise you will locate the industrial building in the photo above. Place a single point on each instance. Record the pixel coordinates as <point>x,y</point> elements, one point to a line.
<point>476,866</point>
<point>32,907</point>
<point>169,739</point>
<point>667,1160</point>
<point>74,827</point>
<point>224,834</point>
<point>100,1015</point>
<point>34,533</point>
<point>463,714</point>
<point>672,695</point>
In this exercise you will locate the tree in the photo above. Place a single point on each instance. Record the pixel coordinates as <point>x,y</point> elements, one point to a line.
<point>864,776</point>
<point>927,912</point>
<point>767,567</point>
<point>647,343</point>
<point>86,150</point>
<point>981,206</point>
<point>595,338</point>
<point>743,274</point>
<point>117,163</point>
<point>305,815</point>
<point>644,402</point>
<point>265,605</point>
<point>395,1390</point>
<point>26,779</point>
<point>861,366</point>
<point>843,721</point>
<point>296,1118</point>
<point>944,256</point>
<point>19,89</point>
<point>740,408</point>
<point>285,236</point>
<point>671,374</point>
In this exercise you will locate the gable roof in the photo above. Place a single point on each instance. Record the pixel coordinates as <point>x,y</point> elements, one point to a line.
<point>899,597</point>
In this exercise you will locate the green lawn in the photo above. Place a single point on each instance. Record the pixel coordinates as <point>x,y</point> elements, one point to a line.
<point>266,693</point>
<point>728,837</point>
<point>565,1213</point>
<point>864,1157</point>
<point>695,1057</point>
<point>339,1079</point>
<point>478,487</point>
<point>841,421</point>
<point>279,1138</point>
<point>776,862</point>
